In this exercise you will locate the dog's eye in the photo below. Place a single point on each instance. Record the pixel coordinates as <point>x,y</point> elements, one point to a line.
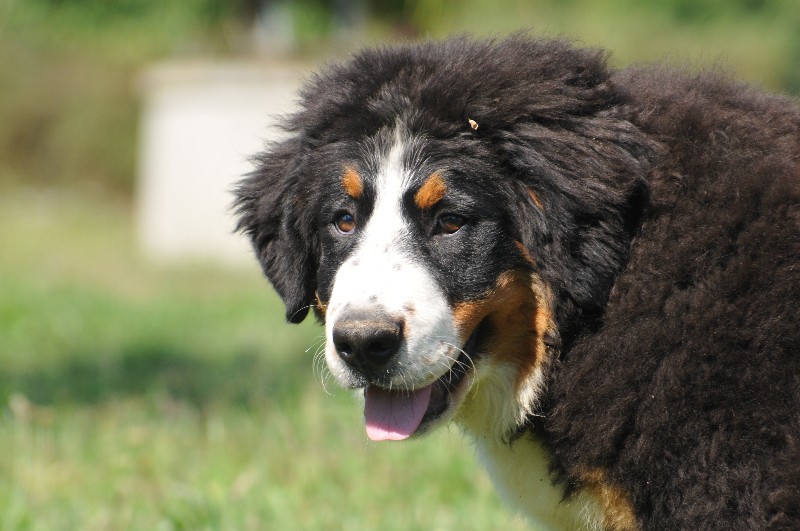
<point>450,223</point>
<point>345,223</point>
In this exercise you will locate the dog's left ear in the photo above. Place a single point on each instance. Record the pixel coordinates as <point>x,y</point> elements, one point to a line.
<point>581,200</point>
<point>267,205</point>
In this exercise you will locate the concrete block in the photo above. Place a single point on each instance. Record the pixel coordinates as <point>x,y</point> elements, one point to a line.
<point>200,124</point>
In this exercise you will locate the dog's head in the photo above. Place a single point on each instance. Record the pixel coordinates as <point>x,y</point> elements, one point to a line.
<point>449,211</point>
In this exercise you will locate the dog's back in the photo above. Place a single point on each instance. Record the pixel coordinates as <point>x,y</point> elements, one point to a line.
<point>688,395</point>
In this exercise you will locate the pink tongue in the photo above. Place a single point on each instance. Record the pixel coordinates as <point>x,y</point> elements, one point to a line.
<point>394,415</point>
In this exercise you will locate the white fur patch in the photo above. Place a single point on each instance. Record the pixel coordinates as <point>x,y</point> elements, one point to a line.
<point>520,472</point>
<point>491,411</point>
<point>492,404</point>
<point>380,275</point>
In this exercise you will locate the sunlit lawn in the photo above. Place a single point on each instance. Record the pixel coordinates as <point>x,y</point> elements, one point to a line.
<point>141,397</point>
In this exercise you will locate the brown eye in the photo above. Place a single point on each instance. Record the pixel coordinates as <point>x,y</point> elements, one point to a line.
<point>345,223</point>
<point>450,223</point>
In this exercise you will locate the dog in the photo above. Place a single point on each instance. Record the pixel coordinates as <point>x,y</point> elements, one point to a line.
<point>595,273</point>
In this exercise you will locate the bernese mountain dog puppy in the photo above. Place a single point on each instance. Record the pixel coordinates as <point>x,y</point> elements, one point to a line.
<point>595,273</point>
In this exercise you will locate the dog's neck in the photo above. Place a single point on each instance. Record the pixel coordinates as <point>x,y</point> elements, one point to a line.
<point>520,471</point>
<point>519,467</point>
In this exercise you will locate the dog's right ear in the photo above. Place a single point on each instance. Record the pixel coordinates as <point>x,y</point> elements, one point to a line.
<point>267,202</point>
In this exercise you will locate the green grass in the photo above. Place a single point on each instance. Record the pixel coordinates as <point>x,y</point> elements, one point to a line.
<point>138,397</point>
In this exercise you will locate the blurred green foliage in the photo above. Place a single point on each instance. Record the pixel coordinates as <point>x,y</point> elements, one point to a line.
<point>68,68</point>
<point>67,81</point>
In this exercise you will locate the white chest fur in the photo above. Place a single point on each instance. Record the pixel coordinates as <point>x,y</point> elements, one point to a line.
<point>520,472</point>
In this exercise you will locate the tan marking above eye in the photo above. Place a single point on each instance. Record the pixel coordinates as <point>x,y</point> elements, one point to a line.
<point>351,182</point>
<point>431,192</point>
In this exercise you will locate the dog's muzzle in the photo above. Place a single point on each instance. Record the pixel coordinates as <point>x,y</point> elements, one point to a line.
<point>368,342</point>
<point>400,398</point>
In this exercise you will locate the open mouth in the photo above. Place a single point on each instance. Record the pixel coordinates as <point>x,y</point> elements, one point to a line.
<point>398,414</point>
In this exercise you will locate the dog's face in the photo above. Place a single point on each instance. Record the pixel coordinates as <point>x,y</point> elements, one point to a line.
<point>445,227</point>
<point>419,274</point>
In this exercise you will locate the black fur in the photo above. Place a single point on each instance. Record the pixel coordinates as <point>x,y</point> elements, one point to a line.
<point>669,233</point>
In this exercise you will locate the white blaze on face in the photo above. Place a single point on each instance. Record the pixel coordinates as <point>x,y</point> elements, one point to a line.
<point>380,276</point>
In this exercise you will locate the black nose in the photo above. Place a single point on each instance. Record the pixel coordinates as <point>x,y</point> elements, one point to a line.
<point>367,341</point>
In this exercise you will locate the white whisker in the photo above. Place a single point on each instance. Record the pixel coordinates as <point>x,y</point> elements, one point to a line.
<point>306,307</point>
<point>320,368</point>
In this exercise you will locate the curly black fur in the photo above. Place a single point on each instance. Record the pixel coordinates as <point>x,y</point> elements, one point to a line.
<point>669,234</point>
<point>693,378</point>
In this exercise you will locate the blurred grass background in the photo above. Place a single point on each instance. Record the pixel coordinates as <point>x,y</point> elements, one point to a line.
<point>138,396</point>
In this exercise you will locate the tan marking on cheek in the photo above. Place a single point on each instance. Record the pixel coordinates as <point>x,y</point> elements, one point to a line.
<point>544,318</point>
<point>321,306</point>
<point>467,315</point>
<point>518,312</point>
<point>351,182</point>
<point>535,199</point>
<point>617,507</point>
<point>431,192</point>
